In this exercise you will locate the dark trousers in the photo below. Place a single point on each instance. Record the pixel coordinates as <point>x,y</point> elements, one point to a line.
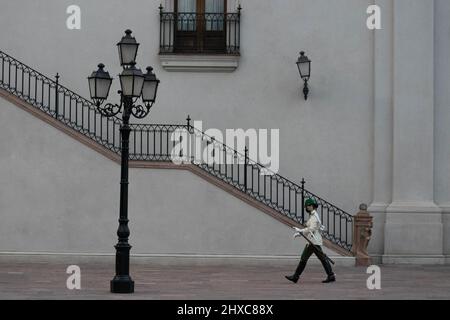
<point>307,252</point>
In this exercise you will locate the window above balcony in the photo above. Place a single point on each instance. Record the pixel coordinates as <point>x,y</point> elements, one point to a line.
<point>199,35</point>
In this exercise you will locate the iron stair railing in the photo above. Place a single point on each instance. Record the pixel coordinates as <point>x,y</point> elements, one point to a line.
<point>153,142</point>
<point>59,102</point>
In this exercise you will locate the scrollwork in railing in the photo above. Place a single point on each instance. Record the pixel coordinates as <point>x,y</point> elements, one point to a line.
<point>109,110</point>
<point>139,111</point>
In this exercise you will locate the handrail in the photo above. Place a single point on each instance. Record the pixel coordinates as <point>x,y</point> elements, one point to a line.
<point>290,203</point>
<point>153,142</point>
<point>58,101</point>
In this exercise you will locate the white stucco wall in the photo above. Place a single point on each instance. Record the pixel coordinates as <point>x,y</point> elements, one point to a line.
<point>442,115</point>
<point>326,139</point>
<point>59,196</point>
<point>331,139</point>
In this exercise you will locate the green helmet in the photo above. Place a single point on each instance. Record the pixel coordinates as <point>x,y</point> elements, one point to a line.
<point>311,202</point>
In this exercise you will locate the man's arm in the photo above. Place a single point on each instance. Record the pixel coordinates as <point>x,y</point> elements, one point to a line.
<point>313,227</point>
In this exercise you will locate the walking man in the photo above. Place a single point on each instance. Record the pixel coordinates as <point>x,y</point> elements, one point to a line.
<point>312,232</point>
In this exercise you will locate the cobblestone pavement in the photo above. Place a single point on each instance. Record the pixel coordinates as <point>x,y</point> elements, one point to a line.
<point>40,279</point>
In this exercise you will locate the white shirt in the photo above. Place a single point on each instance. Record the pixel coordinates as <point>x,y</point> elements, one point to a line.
<point>312,230</point>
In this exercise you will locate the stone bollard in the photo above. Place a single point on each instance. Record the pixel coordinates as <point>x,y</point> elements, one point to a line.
<point>362,232</point>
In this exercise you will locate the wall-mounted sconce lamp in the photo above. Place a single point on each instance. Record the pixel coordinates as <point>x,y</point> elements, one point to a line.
<point>304,67</point>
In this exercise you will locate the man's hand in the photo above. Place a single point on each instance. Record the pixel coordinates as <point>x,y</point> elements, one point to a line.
<point>300,230</point>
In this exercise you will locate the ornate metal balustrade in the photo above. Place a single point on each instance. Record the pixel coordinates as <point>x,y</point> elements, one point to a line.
<point>59,102</point>
<point>154,142</point>
<point>186,32</point>
<point>274,190</point>
<point>157,143</point>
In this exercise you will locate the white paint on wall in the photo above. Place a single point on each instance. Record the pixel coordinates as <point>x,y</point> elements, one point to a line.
<point>327,139</point>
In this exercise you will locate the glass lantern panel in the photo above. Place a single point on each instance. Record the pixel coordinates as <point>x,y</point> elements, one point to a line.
<point>126,84</point>
<point>149,91</point>
<point>127,53</point>
<point>103,86</point>
<point>304,69</point>
<point>92,88</point>
<point>137,89</point>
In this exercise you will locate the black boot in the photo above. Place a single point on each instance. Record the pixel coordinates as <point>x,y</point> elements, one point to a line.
<point>292,278</point>
<point>330,278</point>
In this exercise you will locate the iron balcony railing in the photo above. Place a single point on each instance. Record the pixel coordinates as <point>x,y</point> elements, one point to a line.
<point>153,142</point>
<point>187,32</point>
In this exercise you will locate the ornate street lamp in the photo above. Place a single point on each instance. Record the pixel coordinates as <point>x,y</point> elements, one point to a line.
<point>134,84</point>
<point>128,48</point>
<point>131,82</point>
<point>99,84</point>
<point>304,68</point>
<point>150,88</point>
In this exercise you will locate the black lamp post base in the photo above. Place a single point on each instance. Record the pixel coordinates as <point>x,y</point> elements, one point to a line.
<point>122,284</point>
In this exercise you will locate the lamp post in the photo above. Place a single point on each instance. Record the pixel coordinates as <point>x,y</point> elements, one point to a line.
<point>134,85</point>
<point>304,67</point>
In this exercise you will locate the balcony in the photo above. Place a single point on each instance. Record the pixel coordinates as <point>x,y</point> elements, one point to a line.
<point>199,42</point>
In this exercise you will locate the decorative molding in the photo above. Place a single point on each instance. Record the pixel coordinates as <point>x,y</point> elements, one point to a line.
<point>413,207</point>
<point>378,207</point>
<point>199,63</point>
<point>445,207</point>
<point>169,258</point>
<point>157,165</point>
<point>415,259</point>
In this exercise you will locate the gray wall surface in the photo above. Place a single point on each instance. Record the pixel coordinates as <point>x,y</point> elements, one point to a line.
<point>59,196</point>
<point>317,137</point>
<point>352,140</point>
<point>442,114</point>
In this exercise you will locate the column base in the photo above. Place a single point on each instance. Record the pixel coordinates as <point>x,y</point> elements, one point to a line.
<point>413,233</point>
<point>122,284</point>
<point>363,262</point>
<point>417,260</point>
<point>446,225</point>
<point>376,245</point>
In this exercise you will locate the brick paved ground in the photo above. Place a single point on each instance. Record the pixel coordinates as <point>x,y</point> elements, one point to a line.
<point>40,279</point>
